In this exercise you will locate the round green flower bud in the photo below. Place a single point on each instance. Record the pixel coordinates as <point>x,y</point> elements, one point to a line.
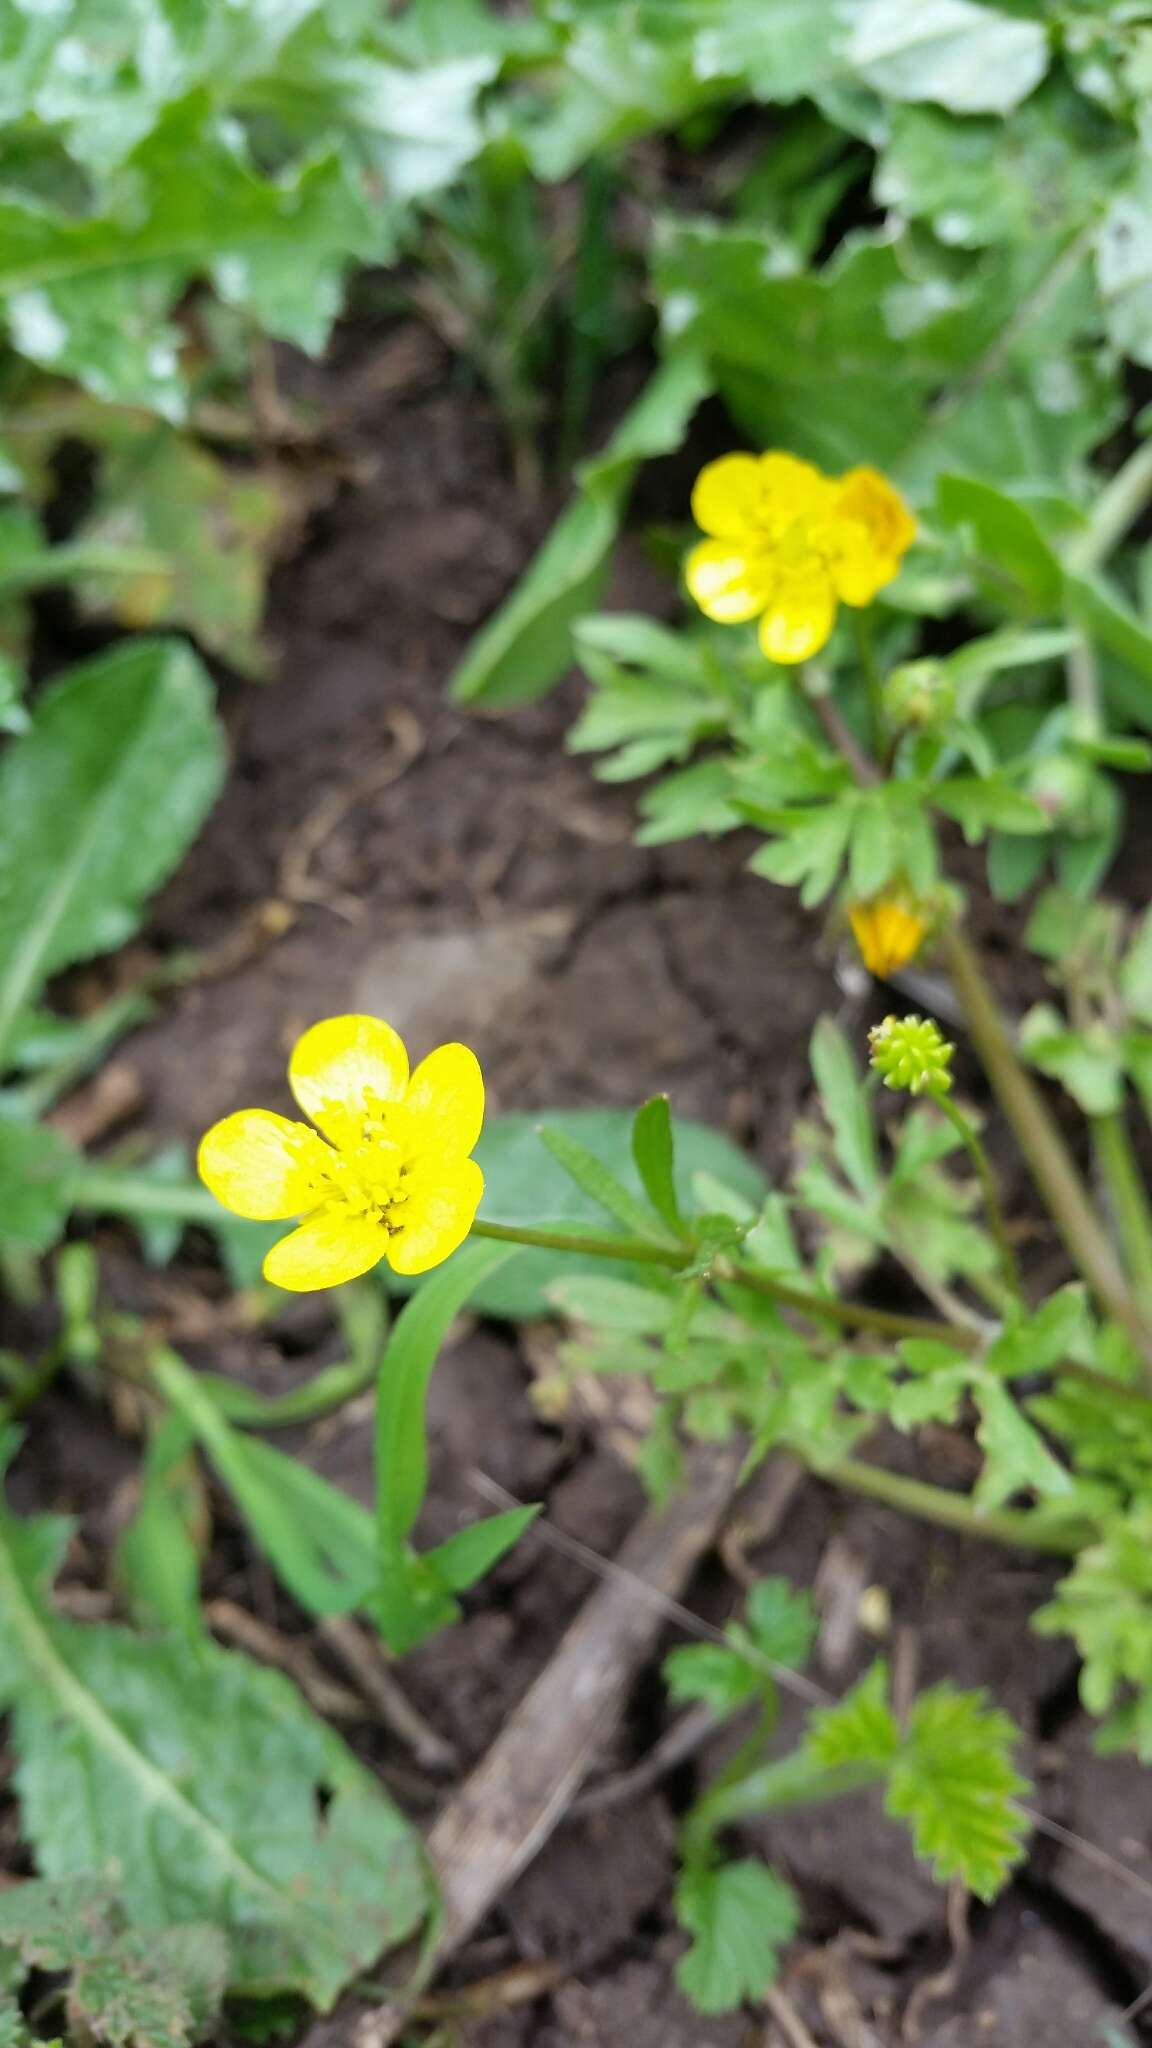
<point>911,1053</point>
<point>921,694</point>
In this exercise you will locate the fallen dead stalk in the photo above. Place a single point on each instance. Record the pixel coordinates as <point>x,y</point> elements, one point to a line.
<point>505,1811</point>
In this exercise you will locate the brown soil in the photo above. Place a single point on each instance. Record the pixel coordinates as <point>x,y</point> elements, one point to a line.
<point>466,878</point>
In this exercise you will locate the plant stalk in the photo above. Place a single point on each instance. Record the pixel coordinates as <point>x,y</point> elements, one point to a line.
<point>1128,1199</point>
<point>1050,1163</point>
<point>1120,502</point>
<point>979,1157</point>
<point>916,1497</point>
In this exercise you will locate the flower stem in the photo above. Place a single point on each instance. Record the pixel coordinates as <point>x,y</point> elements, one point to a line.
<point>866,654</point>
<point>849,1315</point>
<point>1128,1198</point>
<point>1049,1160</point>
<point>979,1157</point>
<point>1022,1528</point>
<point>1119,503</point>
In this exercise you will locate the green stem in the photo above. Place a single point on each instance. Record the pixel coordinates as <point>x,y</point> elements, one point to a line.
<point>866,654</point>
<point>1128,1198</point>
<point>979,1158</point>
<point>1119,503</point>
<point>1049,1160</point>
<point>116,1191</point>
<point>916,1497</point>
<point>850,1315</point>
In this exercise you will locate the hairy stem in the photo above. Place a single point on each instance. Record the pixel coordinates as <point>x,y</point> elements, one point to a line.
<point>979,1158</point>
<point>1021,1528</point>
<point>1119,503</point>
<point>1049,1161</point>
<point>1127,1197</point>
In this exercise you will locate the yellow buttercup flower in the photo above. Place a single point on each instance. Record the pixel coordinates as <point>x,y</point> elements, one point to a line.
<point>386,1174</point>
<point>787,544</point>
<point>889,931</point>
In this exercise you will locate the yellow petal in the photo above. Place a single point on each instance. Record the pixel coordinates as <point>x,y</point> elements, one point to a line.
<point>328,1249</point>
<point>438,1215</point>
<point>446,1097</point>
<point>727,496</point>
<point>876,531</point>
<point>262,1165</point>
<point>799,616</point>
<point>340,1063</point>
<point>888,934</point>
<point>793,490</point>
<point>728,586</point>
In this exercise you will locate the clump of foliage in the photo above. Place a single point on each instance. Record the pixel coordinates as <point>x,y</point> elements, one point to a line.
<point>917,256</point>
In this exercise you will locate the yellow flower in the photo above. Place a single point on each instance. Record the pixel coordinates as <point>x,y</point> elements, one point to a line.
<point>787,545</point>
<point>390,1178</point>
<point>889,931</point>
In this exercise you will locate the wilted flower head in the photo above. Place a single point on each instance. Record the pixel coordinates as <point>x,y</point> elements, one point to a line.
<point>787,544</point>
<point>390,1176</point>
<point>911,1053</point>
<point>889,930</point>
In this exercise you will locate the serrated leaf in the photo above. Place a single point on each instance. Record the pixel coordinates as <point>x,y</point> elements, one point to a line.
<point>860,1729</point>
<point>954,1783</point>
<point>97,804</point>
<point>780,1621</point>
<point>1006,532</point>
<point>721,1678</point>
<point>1016,1458</point>
<point>205,1782</point>
<point>741,1915</point>
<point>154,1990</point>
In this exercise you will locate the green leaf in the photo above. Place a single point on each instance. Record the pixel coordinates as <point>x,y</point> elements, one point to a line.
<point>720,1678</point>
<point>605,1302</point>
<point>154,1990</point>
<point>597,1180</point>
<point>1016,1458</point>
<point>97,804</point>
<point>1036,1343</point>
<point>971,59</point>
<point>1005,531</point>
<point>954,1783</point>
<point>1105,1605</point>
<point>410,1601</point>
<point>37,1171</point>
<point>204,1781</point>
<point>845,1105</point>
<point>653,1149</point>
<point>780,1621</point>
<point>1124,267</point>
<point>741,1915</point>
<point>465,1556</point>
<point>860,1729</point>
<point>523,1184</point>
<point>213,529</point>
<point>319,1541</point>
<point>526,646</point>
<point>984,803</point>
<point>157,1558</point>
<point>1089,1063</point>
<point>1136,972</point>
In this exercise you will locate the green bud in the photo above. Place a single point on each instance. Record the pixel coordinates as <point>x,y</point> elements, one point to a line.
<point>920,693</point>
<point>910,1053</point>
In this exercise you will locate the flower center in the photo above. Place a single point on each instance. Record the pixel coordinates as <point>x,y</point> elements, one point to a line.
<point>364,1169</point>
